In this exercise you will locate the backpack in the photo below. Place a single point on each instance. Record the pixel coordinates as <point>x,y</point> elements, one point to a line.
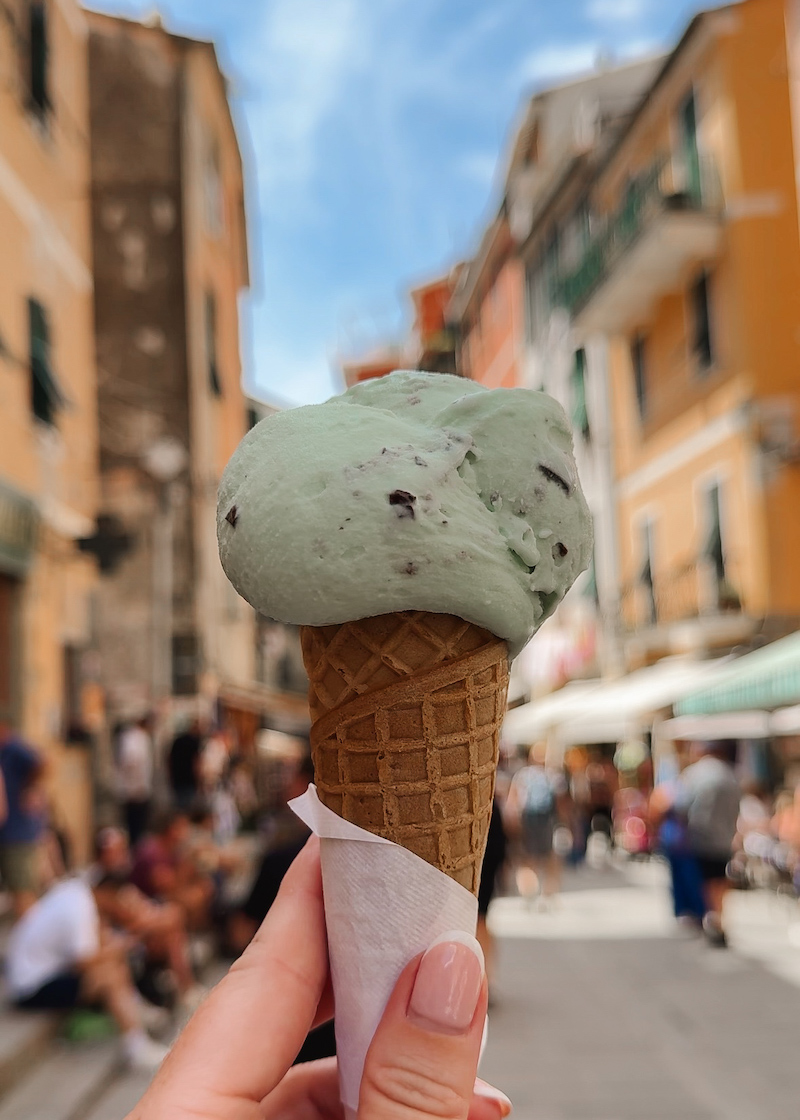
<point>538,799</point>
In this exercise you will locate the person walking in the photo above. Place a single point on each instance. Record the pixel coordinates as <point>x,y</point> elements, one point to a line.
<point>23,822</point>
<point>183,764</point>
<point>532,812</point>
<point>135,764</point>
<point>708,796</point>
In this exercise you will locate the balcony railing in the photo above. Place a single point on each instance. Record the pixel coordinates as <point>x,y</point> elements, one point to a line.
<point>668,185</point>
<point>693,590</point>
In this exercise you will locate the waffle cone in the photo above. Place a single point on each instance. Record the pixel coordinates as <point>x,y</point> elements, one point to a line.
<point>406,711</point>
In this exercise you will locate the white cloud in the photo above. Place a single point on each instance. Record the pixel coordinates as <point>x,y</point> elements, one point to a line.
<point>559,61</point>
<point>304,52</point>
<point>616,11</point>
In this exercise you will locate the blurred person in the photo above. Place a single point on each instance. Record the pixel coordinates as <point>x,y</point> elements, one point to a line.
<point>708,796</point>
<point>785,823</point>
<point>244,793</point>
<point>686,884</point>
<point>275,864</point>
<point>23,823</point>
<point>602,782</point>
<point>183,765</point>
<point>532,810</point>
<point>493,861</point>
<point>60,956</point>
<point>212,762</point>
<point>159,926</point>
<point>135,775</point>
<point>164,871</point>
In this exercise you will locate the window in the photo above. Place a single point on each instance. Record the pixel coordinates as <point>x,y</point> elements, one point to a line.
<point>580,415</point>
<point>212,189</point>
<point>701,339</point>
<point>210,315</point>
<point>690,150</point>
<point>552,259</point>
<point>638,363</point>
<point>713,548</point>
<point>646,572</point>
<point>46,396</point>
<point>38,76</point>
<point>185,664</point>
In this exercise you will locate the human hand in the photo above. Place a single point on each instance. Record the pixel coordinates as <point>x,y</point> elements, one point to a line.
<point>233,1060</point>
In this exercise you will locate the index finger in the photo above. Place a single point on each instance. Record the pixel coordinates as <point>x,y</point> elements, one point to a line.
<point>244,1037</point>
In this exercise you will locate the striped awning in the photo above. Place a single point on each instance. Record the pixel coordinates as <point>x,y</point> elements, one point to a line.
<point>766,679</point>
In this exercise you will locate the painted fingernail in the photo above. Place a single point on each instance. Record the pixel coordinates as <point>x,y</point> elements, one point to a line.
<point>448,984</point>
<point>488,1092</point>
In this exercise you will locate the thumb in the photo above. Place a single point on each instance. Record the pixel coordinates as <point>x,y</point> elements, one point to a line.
<point>423,1058</point>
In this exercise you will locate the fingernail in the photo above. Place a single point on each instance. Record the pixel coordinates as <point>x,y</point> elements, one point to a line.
<point>488,1092</point>
<point>448,984</point>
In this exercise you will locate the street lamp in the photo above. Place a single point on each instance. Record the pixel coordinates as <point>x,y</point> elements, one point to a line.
<point>164,460</point>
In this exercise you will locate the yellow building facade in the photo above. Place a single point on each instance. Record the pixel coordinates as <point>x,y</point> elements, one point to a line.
<point>48,416</point>
<point>690,277</point>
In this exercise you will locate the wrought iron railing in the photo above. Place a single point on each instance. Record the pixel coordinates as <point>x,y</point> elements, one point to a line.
<point>692,590</point>
<point>667,185</point>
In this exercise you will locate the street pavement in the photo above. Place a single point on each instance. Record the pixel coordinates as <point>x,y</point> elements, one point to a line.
<point>600,1012</point>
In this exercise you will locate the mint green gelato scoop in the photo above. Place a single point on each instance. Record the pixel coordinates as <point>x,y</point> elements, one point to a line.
<point>415,491</point>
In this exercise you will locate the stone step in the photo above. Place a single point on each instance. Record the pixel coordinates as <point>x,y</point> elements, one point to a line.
<point>65,1084</point>
<point>24,1038</point>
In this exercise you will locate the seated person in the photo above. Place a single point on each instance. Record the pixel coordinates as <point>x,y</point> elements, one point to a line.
<point>59,956</point>
<point>159,926</point>
<point>164,871</point>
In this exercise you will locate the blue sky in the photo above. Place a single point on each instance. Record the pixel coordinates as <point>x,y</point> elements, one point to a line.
<point>372,130</point>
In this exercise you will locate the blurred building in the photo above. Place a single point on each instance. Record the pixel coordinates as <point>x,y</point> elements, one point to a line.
<point>48,416</point>
<point>376,363</point>
<point>685,282</point>
<point>280,674</point>
<point>431,342</point>
<point>512,335</point>
<point>170,263</point>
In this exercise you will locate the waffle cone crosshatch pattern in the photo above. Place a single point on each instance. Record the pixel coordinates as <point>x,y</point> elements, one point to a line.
<point>408,709</point>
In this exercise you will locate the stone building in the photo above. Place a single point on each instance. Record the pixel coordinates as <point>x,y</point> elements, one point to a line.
<point>48,417</point>
<point>170,263</point>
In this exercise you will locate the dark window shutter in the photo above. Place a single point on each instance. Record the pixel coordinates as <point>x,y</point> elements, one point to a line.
<point>46,396</point>
<point>39,91</point>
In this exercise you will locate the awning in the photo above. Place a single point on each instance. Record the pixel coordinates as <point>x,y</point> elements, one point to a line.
<point>608,711</point>
<point>526,724</point>
<point>786,721</point>
<point>729,725</point>
<point>768,678</point>
<point>625,709</point>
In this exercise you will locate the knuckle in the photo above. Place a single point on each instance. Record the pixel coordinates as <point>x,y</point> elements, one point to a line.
<point>411,1088</point>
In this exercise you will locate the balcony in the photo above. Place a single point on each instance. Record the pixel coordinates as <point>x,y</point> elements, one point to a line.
<point>687,610</point>
<point>671,218</point>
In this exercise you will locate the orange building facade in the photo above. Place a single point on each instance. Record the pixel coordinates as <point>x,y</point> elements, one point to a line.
<point>688,283</point>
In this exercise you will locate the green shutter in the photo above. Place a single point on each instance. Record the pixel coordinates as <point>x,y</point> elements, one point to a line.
<point>38,45</point>
<point>46,395</point>
<point>214,382</point>
<point>580,415</point>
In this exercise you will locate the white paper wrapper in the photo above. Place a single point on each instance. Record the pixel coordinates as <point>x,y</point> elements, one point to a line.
<point>383,906</point>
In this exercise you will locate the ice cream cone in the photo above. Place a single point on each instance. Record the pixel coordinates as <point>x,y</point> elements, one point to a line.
<point>407,709</point>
